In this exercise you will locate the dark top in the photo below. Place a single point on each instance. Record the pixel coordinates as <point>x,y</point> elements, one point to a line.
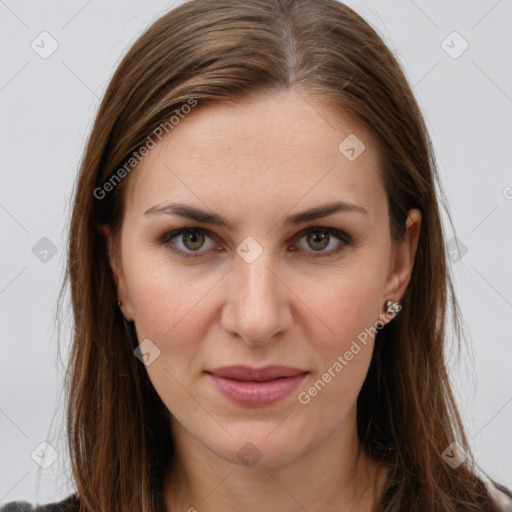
<point>72,504</point>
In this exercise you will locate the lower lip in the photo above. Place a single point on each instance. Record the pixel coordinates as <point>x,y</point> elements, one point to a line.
<point>253,394</point>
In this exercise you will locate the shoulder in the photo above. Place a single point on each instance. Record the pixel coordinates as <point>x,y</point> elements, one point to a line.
<point>70,504</point>
<point>502,496</point>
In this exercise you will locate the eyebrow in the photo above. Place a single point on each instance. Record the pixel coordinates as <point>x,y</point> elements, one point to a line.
<point>194,213</point>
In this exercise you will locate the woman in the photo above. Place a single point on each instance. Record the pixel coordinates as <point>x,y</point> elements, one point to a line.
<point>258,281</point>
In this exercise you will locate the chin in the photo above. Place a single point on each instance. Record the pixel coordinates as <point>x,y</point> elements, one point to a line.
<point>258,446</point>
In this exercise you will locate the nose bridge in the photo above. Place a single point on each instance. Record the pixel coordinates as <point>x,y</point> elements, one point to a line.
<point>255,279</point>
<point>257,298</point>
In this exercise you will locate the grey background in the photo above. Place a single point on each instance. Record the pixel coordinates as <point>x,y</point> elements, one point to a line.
<point>47,107</point>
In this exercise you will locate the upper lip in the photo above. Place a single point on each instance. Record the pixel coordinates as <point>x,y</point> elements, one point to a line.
<point>241,372</point>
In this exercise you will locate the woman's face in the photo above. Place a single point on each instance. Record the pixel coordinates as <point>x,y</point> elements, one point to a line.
<point>263,285</point>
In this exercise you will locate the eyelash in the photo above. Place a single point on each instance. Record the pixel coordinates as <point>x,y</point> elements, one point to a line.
<point>343,237</point>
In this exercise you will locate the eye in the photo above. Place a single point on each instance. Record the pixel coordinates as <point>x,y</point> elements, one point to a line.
<point>192,240</point>
<point>320,238</point>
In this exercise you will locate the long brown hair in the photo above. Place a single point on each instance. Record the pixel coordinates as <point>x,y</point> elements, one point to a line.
<point>209,50</point>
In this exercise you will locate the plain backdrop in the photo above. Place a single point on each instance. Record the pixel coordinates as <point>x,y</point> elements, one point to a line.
<point>463,83</point>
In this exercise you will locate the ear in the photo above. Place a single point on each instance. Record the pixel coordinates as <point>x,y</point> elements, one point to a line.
<point>402,261</point>
<point>117,270</point>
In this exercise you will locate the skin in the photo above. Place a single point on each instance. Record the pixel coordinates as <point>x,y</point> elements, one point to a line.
<point>254,163</point>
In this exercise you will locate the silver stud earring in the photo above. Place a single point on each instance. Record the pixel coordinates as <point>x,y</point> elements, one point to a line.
<point>392,306</point>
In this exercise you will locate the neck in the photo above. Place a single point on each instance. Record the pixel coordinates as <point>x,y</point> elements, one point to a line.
<point>337,475</point>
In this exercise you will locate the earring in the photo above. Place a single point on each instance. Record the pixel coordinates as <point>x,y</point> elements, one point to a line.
<point>392,306</point>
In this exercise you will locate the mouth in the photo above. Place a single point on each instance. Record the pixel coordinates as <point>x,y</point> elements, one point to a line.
<point>252,387</point>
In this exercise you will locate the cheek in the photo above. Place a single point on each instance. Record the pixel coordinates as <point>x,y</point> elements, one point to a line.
<point>349,300</point>
<point>170,309</point>
<point>344,354</point>
<point>163,294</point>
<point>350,306</point>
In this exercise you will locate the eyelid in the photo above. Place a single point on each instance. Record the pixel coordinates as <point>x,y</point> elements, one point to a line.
<point>342,236</point>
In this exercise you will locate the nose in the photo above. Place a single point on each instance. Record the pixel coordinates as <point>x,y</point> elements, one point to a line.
<point>257,308</point>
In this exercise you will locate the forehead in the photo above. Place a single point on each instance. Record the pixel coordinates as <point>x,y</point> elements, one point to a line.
<point>264,154</point>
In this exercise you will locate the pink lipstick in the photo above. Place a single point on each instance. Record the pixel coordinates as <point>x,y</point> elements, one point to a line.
<point>253,387</point>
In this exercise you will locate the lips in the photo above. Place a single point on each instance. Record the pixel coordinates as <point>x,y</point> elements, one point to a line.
<point>253,387</point>
<point>256,374</point>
